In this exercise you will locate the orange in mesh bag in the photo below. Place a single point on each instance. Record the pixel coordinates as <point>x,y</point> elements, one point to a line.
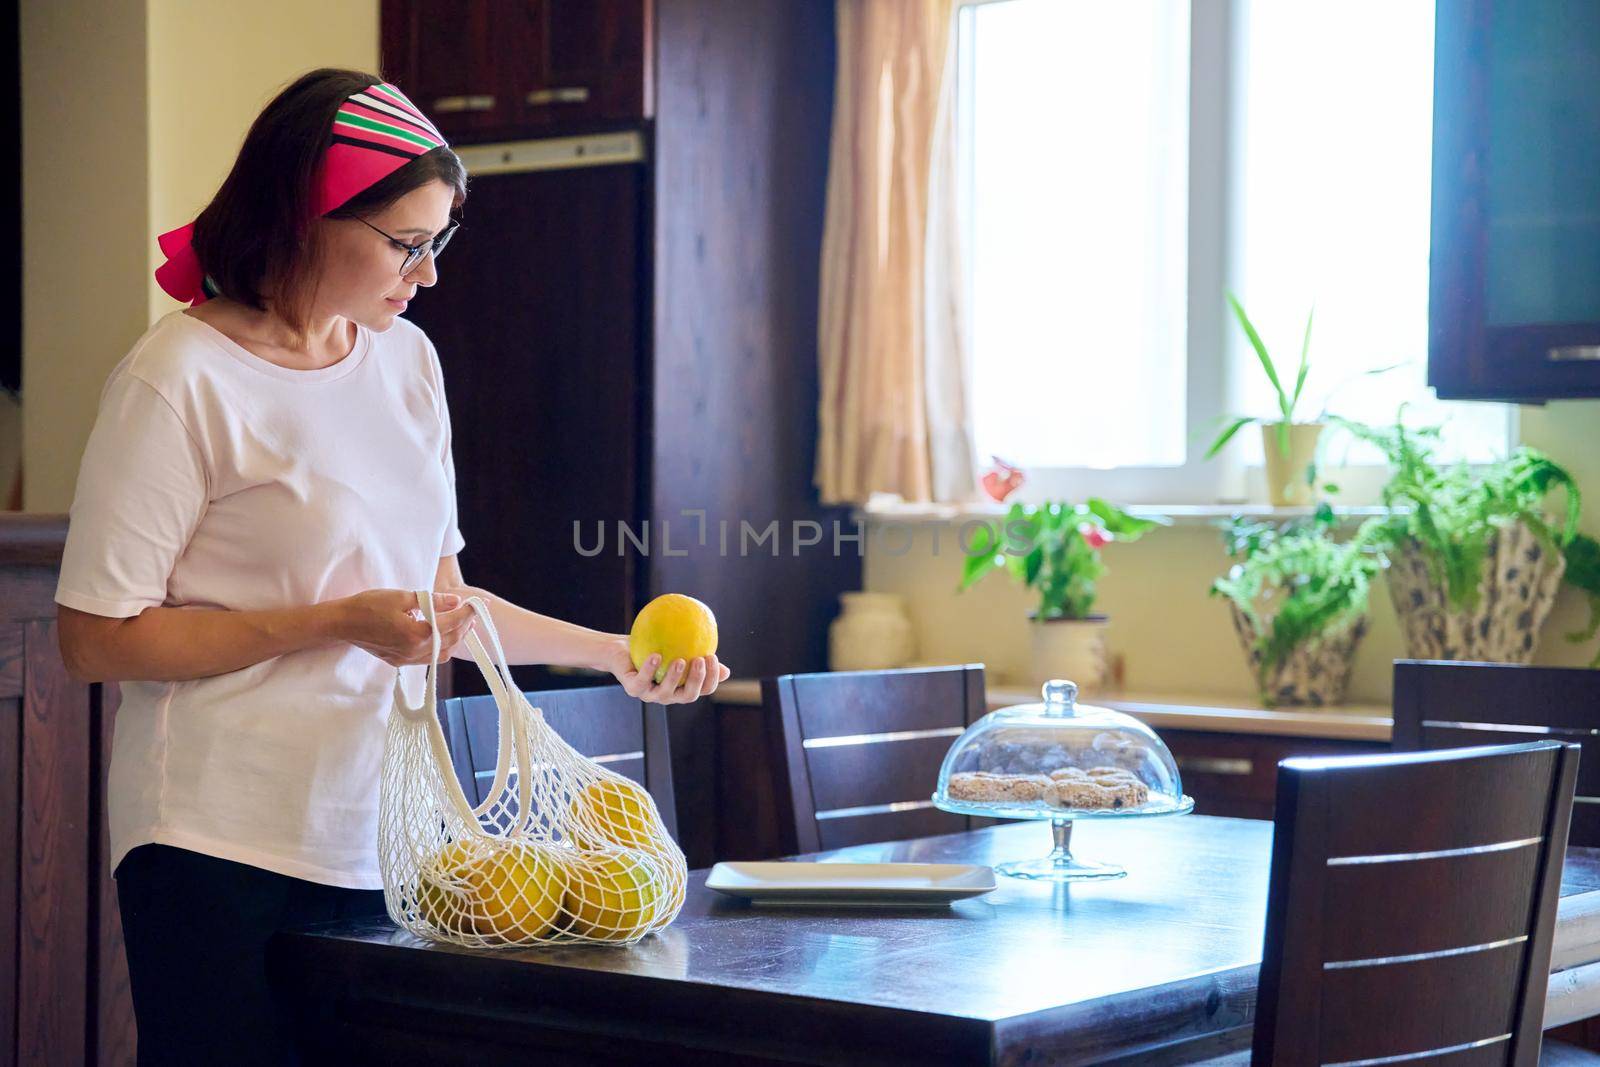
<point>560,850</point>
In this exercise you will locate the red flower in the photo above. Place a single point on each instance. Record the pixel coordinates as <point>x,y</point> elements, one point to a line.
<point>1093,536</point>
<point>1002,480</point>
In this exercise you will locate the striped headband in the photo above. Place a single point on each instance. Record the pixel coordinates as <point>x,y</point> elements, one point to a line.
<point>375,133</point>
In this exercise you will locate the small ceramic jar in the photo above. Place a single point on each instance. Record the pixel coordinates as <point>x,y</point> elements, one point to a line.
<point>871,633</point>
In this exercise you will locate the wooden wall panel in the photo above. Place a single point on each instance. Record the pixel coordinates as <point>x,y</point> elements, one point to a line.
<point>744,95</point>
<point>10,871</point>
<point>53,932</point>
<point>10,662</point>
<point>63,977</point>
<point>114,1037</point>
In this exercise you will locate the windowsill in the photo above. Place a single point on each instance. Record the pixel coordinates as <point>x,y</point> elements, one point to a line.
<point>1180,514</point>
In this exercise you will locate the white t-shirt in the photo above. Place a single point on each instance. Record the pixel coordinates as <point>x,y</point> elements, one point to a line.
<point>216,479</point>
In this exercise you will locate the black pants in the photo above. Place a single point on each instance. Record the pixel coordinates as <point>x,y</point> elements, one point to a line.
<point>196,929</point>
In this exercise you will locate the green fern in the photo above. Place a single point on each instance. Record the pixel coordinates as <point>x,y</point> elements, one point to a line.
<point>1452,513</point>
<point>1316,584</point>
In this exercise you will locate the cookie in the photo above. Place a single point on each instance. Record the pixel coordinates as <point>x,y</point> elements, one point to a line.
<point>990,788</point>
<point>1097,788</point>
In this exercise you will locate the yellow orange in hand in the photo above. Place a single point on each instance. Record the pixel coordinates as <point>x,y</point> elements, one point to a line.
<point>676,627</point>
<point>612,895</point>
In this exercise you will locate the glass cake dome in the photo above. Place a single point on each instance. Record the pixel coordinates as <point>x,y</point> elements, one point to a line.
<point>1063,761</point>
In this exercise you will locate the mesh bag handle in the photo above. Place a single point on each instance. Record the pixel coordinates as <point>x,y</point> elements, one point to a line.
<point>502,687</point>
<point>426,714</point>
<point>512,733</point>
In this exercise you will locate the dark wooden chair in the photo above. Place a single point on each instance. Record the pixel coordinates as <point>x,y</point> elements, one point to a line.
<point>1412,906</point>
<point>1446,705</point>
<point>856,754</point>
<point>603,722</point>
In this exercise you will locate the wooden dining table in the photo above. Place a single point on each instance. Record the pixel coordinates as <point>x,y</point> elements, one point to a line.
<point>1157,967</point>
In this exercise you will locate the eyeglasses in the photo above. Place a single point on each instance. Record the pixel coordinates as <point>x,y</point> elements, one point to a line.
<point>414,253</point>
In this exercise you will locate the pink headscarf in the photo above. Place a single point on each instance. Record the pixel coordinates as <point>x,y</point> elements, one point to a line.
<point>375,133</point>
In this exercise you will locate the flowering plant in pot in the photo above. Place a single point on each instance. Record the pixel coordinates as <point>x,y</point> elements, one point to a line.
<point>1290,447</point>
<point>1298,598</point>
<point>1475,557</point>
<point>1054,549</point>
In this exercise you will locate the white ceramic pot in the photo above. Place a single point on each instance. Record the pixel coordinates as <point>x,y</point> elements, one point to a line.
<point>872,633</point>
<point>1286,474</point>
<point>1071,648</point>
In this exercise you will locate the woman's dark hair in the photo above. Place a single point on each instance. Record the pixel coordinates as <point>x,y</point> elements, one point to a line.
<point>256,239</point>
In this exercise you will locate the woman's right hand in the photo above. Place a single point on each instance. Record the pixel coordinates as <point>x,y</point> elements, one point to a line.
<point>388,624</point>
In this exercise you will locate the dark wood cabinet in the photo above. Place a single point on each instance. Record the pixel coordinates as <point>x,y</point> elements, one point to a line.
<point>1514,302</point>
<point>595,63</point>
<point>434,52</point>
<point>64,994</point>
<point>538,319</point>
<point>627,326</point>
<point>488,70</point>
<point>1236,775</point>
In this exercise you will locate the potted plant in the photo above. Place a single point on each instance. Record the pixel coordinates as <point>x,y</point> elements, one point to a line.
<point>1475,559</point>
<point>1298,598</point>
<point>1290,447</point>
<point>1054,549</point>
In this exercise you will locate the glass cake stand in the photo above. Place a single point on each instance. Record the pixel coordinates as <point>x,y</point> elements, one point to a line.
<point>1062,761</point>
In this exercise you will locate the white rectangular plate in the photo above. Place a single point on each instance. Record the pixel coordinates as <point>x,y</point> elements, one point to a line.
<point>896,884</point>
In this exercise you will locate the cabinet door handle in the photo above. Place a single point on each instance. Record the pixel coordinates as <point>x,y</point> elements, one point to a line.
<point>1574,354</point>
<point>1237,768</point>
<point>575,94</point>
<point>448,104</point>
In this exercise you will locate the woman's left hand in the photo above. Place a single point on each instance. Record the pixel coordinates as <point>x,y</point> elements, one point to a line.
<point>685,682</point>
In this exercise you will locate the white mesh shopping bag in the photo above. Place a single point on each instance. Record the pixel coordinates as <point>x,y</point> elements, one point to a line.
<point>560,850</point>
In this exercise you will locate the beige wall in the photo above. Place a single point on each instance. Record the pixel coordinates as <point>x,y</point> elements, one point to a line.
<point>1174,638</point>
<point>132,113</point>
<point>85,181</point>
<point>10,446</point>
<point>241,53</point>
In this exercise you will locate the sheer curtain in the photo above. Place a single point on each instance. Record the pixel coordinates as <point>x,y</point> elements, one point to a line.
<point>895,384</point>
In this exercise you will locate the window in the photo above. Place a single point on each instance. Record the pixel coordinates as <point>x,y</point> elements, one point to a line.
<point>1125,165</point>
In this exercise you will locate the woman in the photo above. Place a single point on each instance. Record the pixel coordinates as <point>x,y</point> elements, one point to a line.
<point>268,480</point>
